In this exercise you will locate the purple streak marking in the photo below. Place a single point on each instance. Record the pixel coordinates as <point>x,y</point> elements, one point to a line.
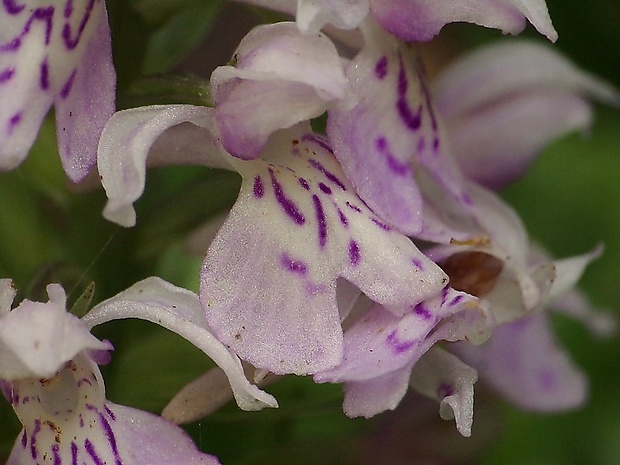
<point>412,120</point>
<point>399,346</point>
<point>110,413</point>
<point>6,75</point>
<point>111,439</point>
<point>422,311</point>
<point>396,166</point>
<point>45,75</point>
<point>354,207</point>
<point>382,225</point>
<point>354,253</point>
<point>435,144</point>
<point>418,263</point>
<point>381,67</point>
<point>328,174</point>
<point>33,439</point>
<point>325,188</point>
<point>303,183</point>
<point>456,300</point>
<point>294,266</point>
<point>57,459</point>
<point>24,439</point>
<point>39,14</point>
<point>322,223</point>
<point>427,98</point>
<point>11,8</point>
<point>92,452</point>
<point>74,453</point>
<point>66,89</point>
<point>72,42</point>
<point>317,140</point>
<point>68,8</point>
<point>287,204</point>
<point>343,219</point>
<point>259,189</point>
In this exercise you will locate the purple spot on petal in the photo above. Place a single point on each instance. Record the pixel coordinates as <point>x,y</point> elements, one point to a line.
<point>6,75</point>
<point>418,264</point>
<point>435,144</point>
<point>325,188</point>
<point>303,183</point>
<point>68,8</point>
<point>259,189</point>
<point>547,380</point>
<point>329,175</point>
<point>294,266</point>
<point>412,120</point>
<point>381,67</point>
<point>12,8</point>
<point>354,253</point>
<point>399,346</point>
<point>322,223</point>
<point>422,311</point>
<point>14,121</point>
<point>66,89</point>
<point>289,207</point>
<point>44,80</point>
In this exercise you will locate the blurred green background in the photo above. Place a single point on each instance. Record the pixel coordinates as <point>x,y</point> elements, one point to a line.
<point>569,201</point>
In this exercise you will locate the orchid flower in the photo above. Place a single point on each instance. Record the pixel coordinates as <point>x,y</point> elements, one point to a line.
<point>501,104</point>
<point>268,283</point>
<point>381,121</point>
<point>49,372</point>
<point>416,20</point>
<point>55,53</point>
<point>381,350</point>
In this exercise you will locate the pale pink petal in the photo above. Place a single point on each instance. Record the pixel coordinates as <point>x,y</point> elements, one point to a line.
<point>296,228</point>
<point>443,377</point>
<point>421,20</point>
<point>180,311</point>
<point>523,362</point>
<point>503,103</point>
<point>36,339</point>
<point>125,143</point>
<point>312,15</point>
<point>47,51</point>
<point>281,77</point>
<point>387,130</point>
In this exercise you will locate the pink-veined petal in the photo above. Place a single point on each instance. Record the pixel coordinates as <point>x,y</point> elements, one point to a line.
<point>296,228</point>
<point>44,46</point>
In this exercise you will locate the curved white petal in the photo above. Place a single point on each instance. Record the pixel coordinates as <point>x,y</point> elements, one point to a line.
<point>179,310</point>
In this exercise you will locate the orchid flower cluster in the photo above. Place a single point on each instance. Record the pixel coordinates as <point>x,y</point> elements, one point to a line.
<point>367,246</point>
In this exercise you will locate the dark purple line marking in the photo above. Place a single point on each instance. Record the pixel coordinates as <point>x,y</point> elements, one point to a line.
<point>45,75</point>
<point>322,223</point>
<point>57,460</point>
<point>287,204</point>
<point>90,449</point>
<point>412,120</point>
<point>303,183</point>
<point>110,413</point>
<point>39,14</point>
<point>355,208</point>
<point>66,89</point>
<point>33,439</point>
<point>354,252</point>
<point>317,140</point>
<point>259,189</point>
<point>382,225</point>
<point>456,300</point>
<point>294,266</point>
<point>343,219</point>
<point>72,42</point>
<point>328,174</point>
<point>111,439</point>
<point>381,67</point>
<point>24,439</point>
<point>74,453</point>
<point>418,263</point>
<point>68,8</point>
